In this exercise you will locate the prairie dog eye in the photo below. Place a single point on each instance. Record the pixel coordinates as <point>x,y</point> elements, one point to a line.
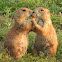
<point>23,10</point>
<point>42,10</point>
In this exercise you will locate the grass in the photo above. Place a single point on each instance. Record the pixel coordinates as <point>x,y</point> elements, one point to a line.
<point>7,10</point>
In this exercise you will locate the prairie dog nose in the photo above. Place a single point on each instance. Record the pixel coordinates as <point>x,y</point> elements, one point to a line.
<point>33,12</point>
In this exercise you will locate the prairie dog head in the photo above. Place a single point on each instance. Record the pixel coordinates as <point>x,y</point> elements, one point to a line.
<point>22,14</point>
<point>41,13</point>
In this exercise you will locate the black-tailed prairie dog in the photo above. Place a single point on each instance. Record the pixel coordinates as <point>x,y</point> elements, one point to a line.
<point>46,38</point>
<point>17,37</point>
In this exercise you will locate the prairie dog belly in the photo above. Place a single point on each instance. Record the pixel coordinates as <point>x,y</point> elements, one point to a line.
<point>24,40</point>
<point>22,44</point>
<point>41,43</point>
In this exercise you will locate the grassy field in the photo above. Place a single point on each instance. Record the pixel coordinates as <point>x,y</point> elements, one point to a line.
<point>7,10</point>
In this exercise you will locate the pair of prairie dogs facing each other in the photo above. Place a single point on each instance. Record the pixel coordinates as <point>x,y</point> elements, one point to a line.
<point>45,38</point>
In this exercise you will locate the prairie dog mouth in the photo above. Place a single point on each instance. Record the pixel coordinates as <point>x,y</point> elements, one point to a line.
<point>38,14</point>
<point>34,15</point>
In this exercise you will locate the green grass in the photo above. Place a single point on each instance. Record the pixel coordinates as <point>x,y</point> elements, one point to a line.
<point>7,10</point>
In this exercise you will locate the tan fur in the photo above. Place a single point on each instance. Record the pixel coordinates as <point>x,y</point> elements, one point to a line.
<point>46,38</point>
<point>17,37</point>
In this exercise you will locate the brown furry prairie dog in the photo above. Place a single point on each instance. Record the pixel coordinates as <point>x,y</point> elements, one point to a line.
<point>46,38</point>
<point>17,37</point>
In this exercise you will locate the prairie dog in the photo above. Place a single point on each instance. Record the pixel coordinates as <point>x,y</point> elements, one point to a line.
<point>17,37</point>
<point>46,38</point>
